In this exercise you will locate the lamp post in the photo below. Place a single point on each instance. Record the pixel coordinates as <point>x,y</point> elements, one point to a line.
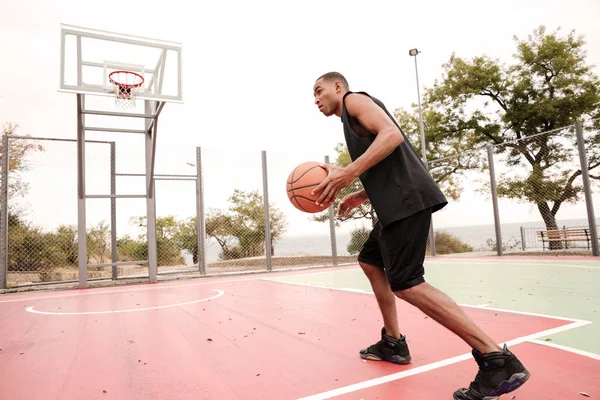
<point>414,53</point>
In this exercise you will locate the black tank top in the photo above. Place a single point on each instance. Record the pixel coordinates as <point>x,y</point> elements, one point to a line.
<point>399,185</point>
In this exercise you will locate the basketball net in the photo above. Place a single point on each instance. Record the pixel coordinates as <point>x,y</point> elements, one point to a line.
<point>126,85</point>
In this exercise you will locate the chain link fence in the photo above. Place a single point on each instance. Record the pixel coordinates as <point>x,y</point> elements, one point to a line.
<point>532,198</point>
<point>41,241</point>
<point>539,177</point>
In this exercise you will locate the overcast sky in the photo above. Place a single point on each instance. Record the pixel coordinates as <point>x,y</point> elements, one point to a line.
<point>248,71</point>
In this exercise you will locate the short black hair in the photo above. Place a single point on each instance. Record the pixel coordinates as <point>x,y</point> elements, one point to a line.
<point>335,76</point>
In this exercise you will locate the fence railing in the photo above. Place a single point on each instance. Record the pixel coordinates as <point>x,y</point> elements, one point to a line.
<point>229,217</point>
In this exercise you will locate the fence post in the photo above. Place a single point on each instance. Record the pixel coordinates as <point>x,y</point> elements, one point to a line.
<point>490,152</point>
<point>585,174</point>
<point>523,246</point>
<point>200,220</point>
<point>268,245</point>
<point>334,255</point>
<point>4,214</point>
<point>113,210</point>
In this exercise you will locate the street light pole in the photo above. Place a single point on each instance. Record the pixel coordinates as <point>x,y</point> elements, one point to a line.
<point>414,53</point>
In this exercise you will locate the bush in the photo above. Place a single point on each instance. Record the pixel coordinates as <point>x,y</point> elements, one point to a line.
<point>358,237</point>
<point>447,243</point>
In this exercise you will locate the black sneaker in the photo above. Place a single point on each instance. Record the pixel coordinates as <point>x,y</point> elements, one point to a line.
<point>499,373</point>
<point>388,349</point>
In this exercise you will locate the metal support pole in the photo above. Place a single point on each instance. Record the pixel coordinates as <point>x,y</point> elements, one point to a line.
<point>150,198</point>
<point>421,127</point>
<point>334,255</point>
<point>4,213</point>
<point>81,217</point>
<point>268,244</point>
<point>587,188</point>
<point>113,210</point>
<point>490,152</point>
<point>200,220</point>
<point>414,53</point>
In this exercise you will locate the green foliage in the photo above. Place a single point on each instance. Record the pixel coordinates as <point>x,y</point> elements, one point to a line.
<point>31,250</point>
<point>365,210</point>
<point>240,230</point>
<point>98,242</point>
<point>548,87</point>
<point>447,243</point>
<point>358,237</point>
<point>129,249</point>
<point>186,237</point>
<point>19,151</point>
<point>167,250</point>
<point>448,152</point>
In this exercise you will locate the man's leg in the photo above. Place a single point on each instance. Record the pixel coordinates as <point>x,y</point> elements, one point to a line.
<point>385,297</point>
<point>445,311</point>
<point>392,347</point>
<point>500,371</point>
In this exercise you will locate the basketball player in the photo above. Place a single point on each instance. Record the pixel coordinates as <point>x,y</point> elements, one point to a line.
<point>404,197</point>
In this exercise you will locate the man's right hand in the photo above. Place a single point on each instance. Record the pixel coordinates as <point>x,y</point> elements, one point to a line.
<point>351,201</point>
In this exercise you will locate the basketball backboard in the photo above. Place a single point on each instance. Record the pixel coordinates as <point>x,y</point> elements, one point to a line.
<point>88,56</point>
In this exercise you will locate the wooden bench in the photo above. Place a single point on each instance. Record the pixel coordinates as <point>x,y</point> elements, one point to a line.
<point>565,235</point>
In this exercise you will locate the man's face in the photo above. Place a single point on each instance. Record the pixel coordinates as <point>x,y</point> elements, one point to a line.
<point>326,96</point>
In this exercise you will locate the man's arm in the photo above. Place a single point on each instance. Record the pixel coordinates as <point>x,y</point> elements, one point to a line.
<point>376,121</point>
<point>388,137</point>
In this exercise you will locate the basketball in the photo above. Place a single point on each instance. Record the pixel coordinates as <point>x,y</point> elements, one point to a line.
<point>301,181</point>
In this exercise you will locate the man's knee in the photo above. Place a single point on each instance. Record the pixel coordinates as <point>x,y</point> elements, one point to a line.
<point>369,267</point>
<point>409,290</point>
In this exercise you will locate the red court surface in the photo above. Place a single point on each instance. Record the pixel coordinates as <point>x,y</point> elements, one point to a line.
<point>251,339</point>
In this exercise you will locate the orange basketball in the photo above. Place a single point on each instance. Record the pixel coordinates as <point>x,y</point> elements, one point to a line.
<point>303,179</point>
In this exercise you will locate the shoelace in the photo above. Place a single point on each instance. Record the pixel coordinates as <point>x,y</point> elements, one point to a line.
<point>483,375</point>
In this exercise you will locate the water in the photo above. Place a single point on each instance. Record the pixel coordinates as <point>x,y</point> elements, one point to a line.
<point>476,236</point>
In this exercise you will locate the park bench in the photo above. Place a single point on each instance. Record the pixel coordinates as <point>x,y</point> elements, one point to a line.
<point>565,235</point>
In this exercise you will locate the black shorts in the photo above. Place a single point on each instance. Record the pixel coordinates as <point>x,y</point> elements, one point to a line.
<point>400,250</point>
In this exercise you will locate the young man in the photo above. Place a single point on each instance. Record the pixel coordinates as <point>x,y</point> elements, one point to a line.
<point>404,197</point>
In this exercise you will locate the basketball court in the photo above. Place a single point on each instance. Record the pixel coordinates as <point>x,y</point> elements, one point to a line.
<point>283,335</point>
<point>296,335</point>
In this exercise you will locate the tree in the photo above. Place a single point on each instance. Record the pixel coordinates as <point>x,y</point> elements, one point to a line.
<point>365,210</point>
<point>19,150</point>
<point>451,154</point>
<point>186,237</point>
<point>167,249</point>
<point>244,225</point>
<point>517,107</point>
<point>98,239</point>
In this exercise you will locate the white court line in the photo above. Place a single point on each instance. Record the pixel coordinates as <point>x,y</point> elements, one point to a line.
<point>508,262</point>
<point>483,306</point>
<point>430,367</point>
<point>32,310</point>
<point>575,323</point>
<point>567,348</point>
<point>127,290</point>
<point>206,281</point>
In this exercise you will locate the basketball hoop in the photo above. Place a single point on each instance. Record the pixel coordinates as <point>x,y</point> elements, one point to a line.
<point>126,84</point>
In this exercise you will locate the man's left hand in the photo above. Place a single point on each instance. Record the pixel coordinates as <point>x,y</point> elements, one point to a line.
<point>337,179</point>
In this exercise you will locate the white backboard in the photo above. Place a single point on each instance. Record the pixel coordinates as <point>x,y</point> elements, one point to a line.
<point>88,56</point>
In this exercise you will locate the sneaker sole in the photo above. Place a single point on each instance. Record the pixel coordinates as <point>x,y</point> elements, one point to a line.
<point>515,382</point>
<point>393,359</point>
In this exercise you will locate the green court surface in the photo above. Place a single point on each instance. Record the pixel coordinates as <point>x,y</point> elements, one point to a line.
<point>562,288</point>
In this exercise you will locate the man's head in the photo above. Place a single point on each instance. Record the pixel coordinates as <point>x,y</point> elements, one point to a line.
<point>329,89</point>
